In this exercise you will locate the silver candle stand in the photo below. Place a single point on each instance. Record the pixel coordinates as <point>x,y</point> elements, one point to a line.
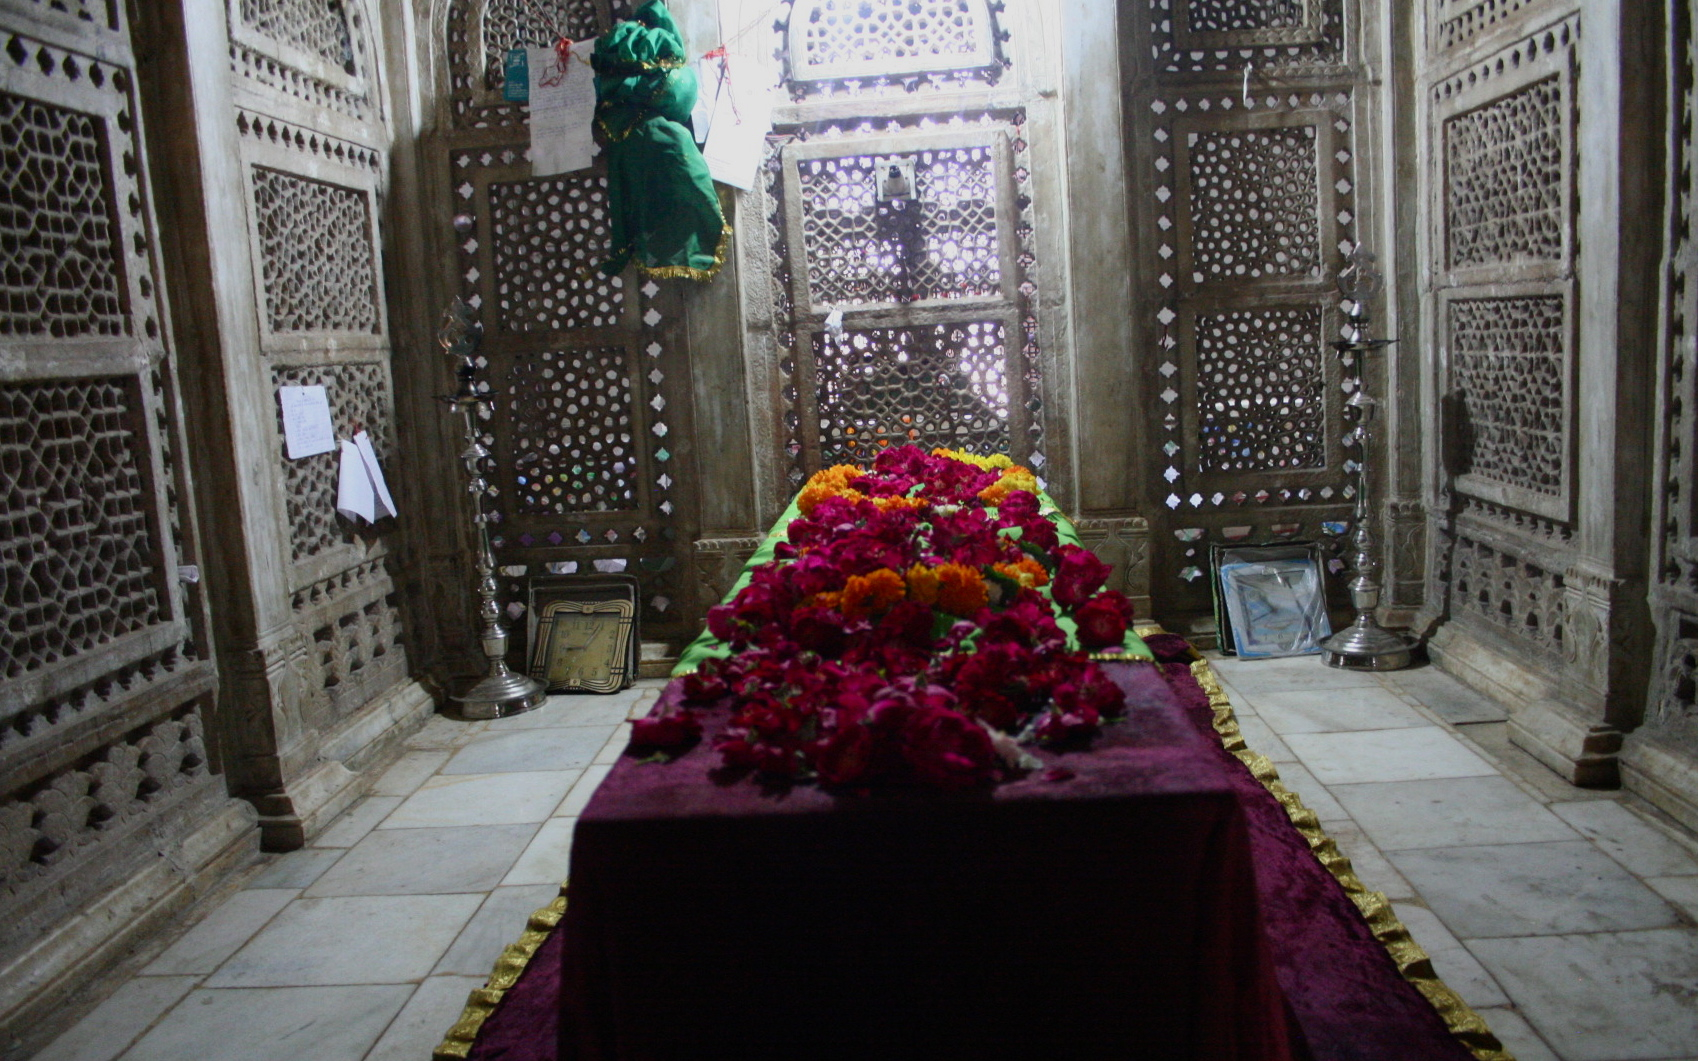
<point>1364,644</point>
<point>501,692</point>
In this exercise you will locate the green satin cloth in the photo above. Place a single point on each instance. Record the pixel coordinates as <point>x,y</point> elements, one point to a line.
<point>665,212</point>
<point>706,646</point>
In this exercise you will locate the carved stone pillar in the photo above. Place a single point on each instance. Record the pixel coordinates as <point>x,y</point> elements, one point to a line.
<point>1124,543</point>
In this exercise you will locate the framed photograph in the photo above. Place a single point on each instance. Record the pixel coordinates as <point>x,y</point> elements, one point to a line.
<point>1271,600</point>
<point>584,646</point>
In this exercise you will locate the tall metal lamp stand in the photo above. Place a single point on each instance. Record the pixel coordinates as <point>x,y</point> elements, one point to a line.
<point>501,692</point>
<point>1364,644</point>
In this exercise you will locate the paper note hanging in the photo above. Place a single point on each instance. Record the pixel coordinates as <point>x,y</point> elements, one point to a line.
<point>710,80</point>
<point>361,492</point>
<point>306,421</point>
<point>736,143</point>
<point>355,497</point>
<point>562,110</point>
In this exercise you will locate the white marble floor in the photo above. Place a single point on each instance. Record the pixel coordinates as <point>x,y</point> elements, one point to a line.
<point>1564,916</point>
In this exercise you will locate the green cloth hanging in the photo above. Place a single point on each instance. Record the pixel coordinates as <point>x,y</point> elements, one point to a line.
<point>665,210</point>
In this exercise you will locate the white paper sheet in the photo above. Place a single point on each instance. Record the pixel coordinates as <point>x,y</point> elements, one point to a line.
<point>361,492</point>
<point>562,110</point>
<point>742,116</point>
<point>709,76</point>
<point>355,497</point>
<point>385,502</point>
<point>306,421</point>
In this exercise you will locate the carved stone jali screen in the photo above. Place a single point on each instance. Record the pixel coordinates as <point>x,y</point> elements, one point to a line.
<point>1251,193</point>
<point>1502,203</point>
<point>937,343</point>
<point>591,422</point>
<point>105,683</point>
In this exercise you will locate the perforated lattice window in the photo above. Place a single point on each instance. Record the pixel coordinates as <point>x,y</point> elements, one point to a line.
<point>1508,363</point>
<point>1226,16</point>
<point>942,243</point>
<point>873,38</point>
<point>516,23</point>
<point>1254,203</point>
<point>77,558</point>
<point>318,264</point>
<point>573,436</point>
<point>1504,179</point>
<point>318,27</point>
<point>942,385</point>
<point>59,262</point>
<point>359,398</point>
<point>549,235</point>
<point>1261,389</point>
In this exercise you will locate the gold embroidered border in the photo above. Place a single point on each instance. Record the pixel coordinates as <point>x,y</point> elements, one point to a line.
<point>1468,1027</point>
<point>458,1042</point>
<point>689,272</point>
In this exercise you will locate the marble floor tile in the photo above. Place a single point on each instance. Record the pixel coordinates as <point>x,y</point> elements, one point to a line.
<point>114,1024</point>
<point>297,869</point>
<point>1451,960</point>
<point>1449,812</point>
<point>576,709</point>
<point>221,932</point>
<point>1342,711</point>
<point>1446,697</point>
<point>615,746</point>
<point>1262,740</point>
<point>409,772</point>
<point>1372,867</point>
<point>443,732</point>
<point>577,799</point>
<point>417,1030</point>
<point>357,821</point>
<point>528,750</point>
<point>1314,795</point>
<point>483,799</point>
<point>1386,755</point>
<point>1530,889</point>
<point>467,858</point>
<point>498,922</point>
<point>1681,891</point>
<point>1628,838</point>
<point>274,1024</point>
<point>1608,996</point>
<point>1259,677</point>
<point>388,939</point>
<point>549,856</point>
<point>1517,1036</point>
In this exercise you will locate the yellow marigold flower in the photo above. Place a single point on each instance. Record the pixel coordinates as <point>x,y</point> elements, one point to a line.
<point>872,594</point>
<point>1026,571</point>
<point>922,585</point>
<point>961,589</point>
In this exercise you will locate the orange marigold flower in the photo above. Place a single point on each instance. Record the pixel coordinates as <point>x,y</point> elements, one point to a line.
<point>830,599</point>
<point>885,504</point>
<point>922,584</point>
<point>961,589</point>
<point>1026,571</point>
<point>993,494</point>
<point>872,594</point>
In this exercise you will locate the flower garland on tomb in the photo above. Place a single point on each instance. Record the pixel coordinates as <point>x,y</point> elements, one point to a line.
<point>907,631</point>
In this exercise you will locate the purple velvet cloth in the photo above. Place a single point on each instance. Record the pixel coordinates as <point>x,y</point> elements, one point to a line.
<point>1062,964</point>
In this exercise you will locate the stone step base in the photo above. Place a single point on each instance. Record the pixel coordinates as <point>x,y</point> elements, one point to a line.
<point>655,659</point>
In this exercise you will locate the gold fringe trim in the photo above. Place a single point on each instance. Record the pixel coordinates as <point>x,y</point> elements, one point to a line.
<point>1468,1027</point>
<point>686,272</point>
<point>457,1044</point>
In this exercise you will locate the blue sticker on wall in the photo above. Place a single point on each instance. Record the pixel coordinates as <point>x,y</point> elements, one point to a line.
<point>517,86</point>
